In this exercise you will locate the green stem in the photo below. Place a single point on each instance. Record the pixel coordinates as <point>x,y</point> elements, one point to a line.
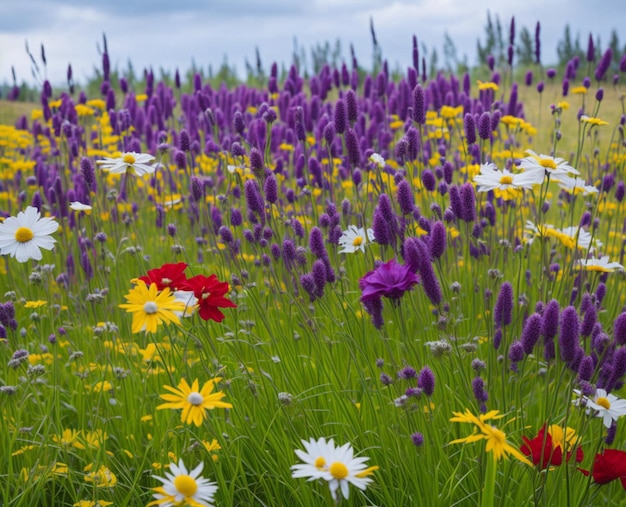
<point>489,487</point>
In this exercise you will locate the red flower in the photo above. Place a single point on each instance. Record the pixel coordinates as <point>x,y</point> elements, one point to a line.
<point>546,449</point>
<point>210,293</point>
<point>168,275</point>
<point>608,466</point>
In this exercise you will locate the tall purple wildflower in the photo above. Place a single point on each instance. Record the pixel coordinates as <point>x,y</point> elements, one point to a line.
<point>531,332</point>
<point>419,105</point>
<point>426,381</point>
<point>429,281</point>
<point>538,43</point>
<point>341,117</point>
<point>503,309</point>
<point>468,202</point>
<point>438,239</point>
<point>469,127</point>
<point>405,197</point>
<point>568,338</point>
<point>619,329</point>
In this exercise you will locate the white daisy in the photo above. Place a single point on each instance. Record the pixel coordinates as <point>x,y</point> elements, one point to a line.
<point>490,178</point>
<point>181,487</point>
<point>602,265</point>
<point>79,206</point>
<point>337,465</point>
<point>137,163</point>
<point>355,238</point>
<point>575,185</point>
<point>545,164</point>
<point>607,406</point>
<point>23,236</point>
<point>344,469</point>
<point>314,457</point>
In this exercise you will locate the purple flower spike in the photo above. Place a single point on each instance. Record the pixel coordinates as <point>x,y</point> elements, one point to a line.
<point>419,105</point>
<point>390,280</point>
<point>504,305</point>
<point>531,332</point>
<point>568,339</point>
<point>470,128</point>
<point>426,381</point>
<point>468,202</point>
<point>550,320</point>
<point>619,329</point>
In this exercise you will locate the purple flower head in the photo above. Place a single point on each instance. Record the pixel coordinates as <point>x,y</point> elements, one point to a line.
<point>550,320</point>
<point>88,173</point>
<point>470,128</point>
<point>491,62</point>
<point>341,117</point>
<point>538,43</point>
<point>568,338</point>
<point>589,321</point>
<point>478,388</point>
<point>438,239</point>
<point>428,180</point>
<point>591,50</point>
<point>586,369</point>
<point>352,147</point>
<point>529,78</point>
<point>516,352</point>
<point>254,200</point>
<point>390,280</point>
<point>419,252</point>
<point>375,308</point>
<point>619,329</point>
<point>531,332</point>
<point>318,271</point>
<point>426,381</point>
<point>604,64</point>
<point>504,305</point>
<point>270,187</point>
<point>407,373</point>
<point>468,202</point>
<point>417,438</point>
<point>619,191</point>
<point>316,242</point>
<point>599,94</point>
<point>351,106</point>
<point>484,126</point>
<point>405,197</point>
<point>540,86</point>
<point>419,105</point>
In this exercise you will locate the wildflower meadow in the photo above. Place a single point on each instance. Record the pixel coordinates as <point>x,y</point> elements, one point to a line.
<point>346,287</point>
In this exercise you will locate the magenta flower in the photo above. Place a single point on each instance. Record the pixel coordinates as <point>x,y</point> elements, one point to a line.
<point>389,280</point>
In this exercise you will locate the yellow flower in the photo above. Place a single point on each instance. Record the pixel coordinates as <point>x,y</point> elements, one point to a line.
<point>496,438</point>
<point>192,401</point>
<point>103,478</point>
<point>579,90</point>
<point>69,438</point>
<point>487,86</point>
<point>35,304</point>
<point>151,307</point>
<point>593,121</point>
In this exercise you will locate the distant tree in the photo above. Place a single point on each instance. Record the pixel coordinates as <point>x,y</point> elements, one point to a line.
<point>450,57</point>
<point>525,50</point>
<point>377,51</point>
<point>494,43</point>
<point>564,49</point>
<point>434,63</point>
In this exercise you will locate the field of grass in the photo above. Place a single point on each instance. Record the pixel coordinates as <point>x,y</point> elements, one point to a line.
<point>211,306</point>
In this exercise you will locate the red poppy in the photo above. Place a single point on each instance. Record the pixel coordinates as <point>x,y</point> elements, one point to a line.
<point>168,275</point>
<point>210,293</point>
<point>608,466</point>
<point>545,451</point>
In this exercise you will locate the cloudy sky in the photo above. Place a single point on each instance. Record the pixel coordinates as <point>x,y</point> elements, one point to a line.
<point>170,34</point>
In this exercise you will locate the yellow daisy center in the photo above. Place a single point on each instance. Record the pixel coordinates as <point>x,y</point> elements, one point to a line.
<point>338,470</point>
<point>24,234</point>
<point>195,398</point>
<point>186,485</point>
<point>320,463</point>
<point>507,179</point>
<point>603,402</point>
<point>129,159</point>
<point>357,241</point>
<point>150,307</point>
<point>547,163</point>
